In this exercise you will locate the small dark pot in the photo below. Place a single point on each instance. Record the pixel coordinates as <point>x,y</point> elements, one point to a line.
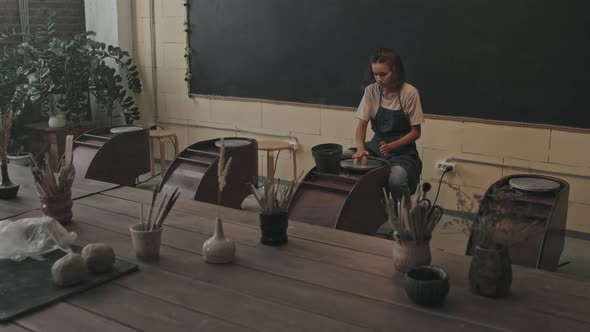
<point>8,190</point>
<point>274,228</point>
<point>490,272</point>
<point>58,207</point>
<point>427,285</point>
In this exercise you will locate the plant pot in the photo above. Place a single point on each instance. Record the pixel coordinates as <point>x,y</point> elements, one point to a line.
<point>490,272</point>
<point>409,254</point>
<point>274,228</point>
<point>146,243</point>
<point>22,159</point>
<point>427,285</point>
<point>57,121</point>
<point>219,249</point>
<point>58,207</point>
<point>327,157</point>
<point>8,190</point>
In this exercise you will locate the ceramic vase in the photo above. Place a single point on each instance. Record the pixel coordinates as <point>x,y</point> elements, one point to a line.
<point>8,190</point>
<point>58,207</point>
<point>427,285</point>
<point>146,243</point>
<point>490,272</point>
<point>57,121</point>
<point>219,249</point>
<point>409,254</point>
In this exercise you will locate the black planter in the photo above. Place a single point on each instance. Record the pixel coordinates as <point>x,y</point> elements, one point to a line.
<point>427,285</point>
<point>274,228</point>
<point>8,190</point>
<point>490,272</point>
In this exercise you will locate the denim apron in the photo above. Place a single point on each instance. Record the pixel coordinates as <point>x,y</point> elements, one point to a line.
<point>390,125</point>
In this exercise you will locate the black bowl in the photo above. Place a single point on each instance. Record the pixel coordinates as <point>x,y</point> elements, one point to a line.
<point>427,285</point>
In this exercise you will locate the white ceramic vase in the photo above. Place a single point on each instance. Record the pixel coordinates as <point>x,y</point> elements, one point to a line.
<point>219,249</point>
<point>57,121</point>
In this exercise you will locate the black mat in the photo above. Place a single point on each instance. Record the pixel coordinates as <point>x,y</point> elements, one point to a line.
<point>26,286</point>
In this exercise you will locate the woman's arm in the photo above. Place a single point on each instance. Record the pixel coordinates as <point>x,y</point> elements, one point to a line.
<point>408,138</point>
<point>361,135</point>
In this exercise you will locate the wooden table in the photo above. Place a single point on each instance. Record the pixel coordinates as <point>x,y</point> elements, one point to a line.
<point>322,280</point>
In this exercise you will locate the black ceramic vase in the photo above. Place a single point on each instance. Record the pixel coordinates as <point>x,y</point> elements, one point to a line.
<point>274,228</point>
<point>490,272</point>
<point>8,190</point>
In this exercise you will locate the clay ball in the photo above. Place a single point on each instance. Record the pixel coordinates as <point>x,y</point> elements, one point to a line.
<point>68,270</point>
<point>99,257</point>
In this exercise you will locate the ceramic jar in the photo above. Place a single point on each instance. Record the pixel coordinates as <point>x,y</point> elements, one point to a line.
<point>490,272</point>
<point>274,228</point>
<point>409,254</point>
<point>146,243</point>
<point>219,249</point>
<point>58,207</point>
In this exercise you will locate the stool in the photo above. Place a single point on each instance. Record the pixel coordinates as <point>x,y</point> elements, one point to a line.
<point>270,147</point>
<point>161,136</point>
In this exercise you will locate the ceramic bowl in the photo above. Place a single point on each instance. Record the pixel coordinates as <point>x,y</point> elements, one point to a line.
<point>427,285</point>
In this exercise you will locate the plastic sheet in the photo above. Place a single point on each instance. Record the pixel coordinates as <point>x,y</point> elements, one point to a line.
<point>33,237</point>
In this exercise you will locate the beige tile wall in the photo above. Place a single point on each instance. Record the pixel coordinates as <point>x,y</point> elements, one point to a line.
<point>500,147</point>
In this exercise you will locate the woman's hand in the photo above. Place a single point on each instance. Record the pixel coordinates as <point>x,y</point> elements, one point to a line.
<point>386,148</point>
<point>360,153</point>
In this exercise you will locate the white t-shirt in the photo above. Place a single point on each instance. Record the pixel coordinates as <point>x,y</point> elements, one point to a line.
<point>409,96</point>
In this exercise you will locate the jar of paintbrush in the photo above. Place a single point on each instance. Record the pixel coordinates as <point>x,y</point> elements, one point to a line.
<point>146,236</point>
<point>54,193</point>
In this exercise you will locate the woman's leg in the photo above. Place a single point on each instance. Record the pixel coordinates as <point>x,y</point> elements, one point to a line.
<point>398,182</point>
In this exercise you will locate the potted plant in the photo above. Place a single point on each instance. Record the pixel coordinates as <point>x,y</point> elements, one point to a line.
<point>11,103</point>
<point>491,234</point>
<point>8,189</point>
<point>62,74</point>
<point>413,220</point>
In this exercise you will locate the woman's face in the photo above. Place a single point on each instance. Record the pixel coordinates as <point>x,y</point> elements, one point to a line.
<point>382,74</point>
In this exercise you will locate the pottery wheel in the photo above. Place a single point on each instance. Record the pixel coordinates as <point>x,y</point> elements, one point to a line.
<point>232,143</point>
<point>533,184</point>
<point>350,165</point>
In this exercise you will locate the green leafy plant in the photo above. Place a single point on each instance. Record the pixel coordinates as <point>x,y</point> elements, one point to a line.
<point>59,75</point>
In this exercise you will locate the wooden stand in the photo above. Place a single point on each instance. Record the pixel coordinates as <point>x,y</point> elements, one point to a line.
<point>534,228</point>
<point>41,136</point>
<point>114,158</point>
<point>194,172</point>
<point>347,201</point>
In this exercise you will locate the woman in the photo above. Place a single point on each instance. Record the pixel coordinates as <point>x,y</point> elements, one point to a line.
<point>394,109</point>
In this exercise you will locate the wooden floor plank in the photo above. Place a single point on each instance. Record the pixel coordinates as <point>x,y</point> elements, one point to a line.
<point>64,317</point>
<point>147,313</point>
<point>464,305</point>
<point>11,327</point>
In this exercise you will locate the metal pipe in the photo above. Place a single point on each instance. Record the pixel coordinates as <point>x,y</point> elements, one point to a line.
<point>25,24</point>
<point>154,60</point>
<point>487,163</point>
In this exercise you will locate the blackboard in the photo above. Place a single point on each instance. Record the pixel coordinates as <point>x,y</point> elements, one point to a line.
<point>514,60</point>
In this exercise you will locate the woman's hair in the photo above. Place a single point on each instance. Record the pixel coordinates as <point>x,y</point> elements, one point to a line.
<point>393,61</point>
